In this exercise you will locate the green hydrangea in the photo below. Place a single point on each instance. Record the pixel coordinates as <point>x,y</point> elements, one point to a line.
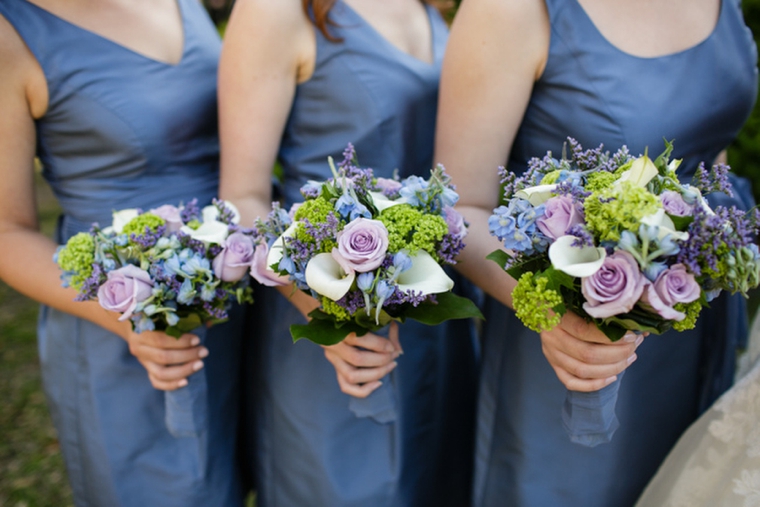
<point>332,308</point>
<point>533,303</point>
<point>551,178</point>
<point>410,229</point>
<point>77,257</point>
<point>600,180</point>
<point>613,210</point>
<point>194,224</point>
<point>623,168</point>
<point>316,212</point>
<point>138,224</point>
<point>692,312</point>
<point>724,258</point>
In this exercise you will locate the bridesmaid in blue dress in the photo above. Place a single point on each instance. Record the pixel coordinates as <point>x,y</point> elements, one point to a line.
<point>118,101</point>
<point>298,93</point>
<point>520,77</point>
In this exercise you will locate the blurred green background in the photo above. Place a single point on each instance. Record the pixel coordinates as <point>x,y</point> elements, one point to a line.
<point>31,468</point>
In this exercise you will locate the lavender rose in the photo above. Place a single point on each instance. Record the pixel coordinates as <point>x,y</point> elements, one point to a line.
<point>363,244</point>
<point>235,258</point>
<point>124,289</point>
<point>261,272</point>
<point>674,204</point>
<point>674,285</point>
<point>455,221</point>
<point>388,186</point>
<point>561,213</point>
<point>615,288</point>
<point>171,216</point>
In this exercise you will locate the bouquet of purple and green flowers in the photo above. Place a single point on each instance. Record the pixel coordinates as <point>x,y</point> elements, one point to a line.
<point>369,249</point>
<point>168,269</point>
<point>621,241</point>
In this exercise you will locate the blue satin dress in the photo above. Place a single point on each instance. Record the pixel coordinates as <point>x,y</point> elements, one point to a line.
<point>123,131</point>
<point>598,94</point>
<point>410,442</point>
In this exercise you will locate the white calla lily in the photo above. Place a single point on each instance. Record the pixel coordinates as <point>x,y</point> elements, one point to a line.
<point>211,214</point>
<point>276,250</point>
<point>381,202</point>
<point>208,232</point>
<point>578,261</point>
<point>537,195</point>
<point>425,276</point>
<point>640,174</point>
<point>664,225</point>
<point>122,218</point>
<point>326,276</point>
<point>673,164</point>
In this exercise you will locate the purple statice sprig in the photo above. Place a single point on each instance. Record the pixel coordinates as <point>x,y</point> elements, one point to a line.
<point>714,180</point>
<point>190,212</point>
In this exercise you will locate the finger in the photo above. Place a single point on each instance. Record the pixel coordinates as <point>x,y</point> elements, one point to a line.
<point>164,341</point>
<point>167,386</point>
<point>353,375</point>
<point>393,336</point>
<point>359,357</point>
<point>358,391</point>
<point>589,353</point>
<point>371,342</point>
<point>585,371</point>
<point>166,357</point>
<point>172,373</point>
<point>578,328</point>
<point>573,383</point>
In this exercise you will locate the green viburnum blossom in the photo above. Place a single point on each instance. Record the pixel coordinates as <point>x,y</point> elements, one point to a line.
<point>551,178</point>
<point>723,256</point>
<point>332,308</point>
<point>316,212</point>
<point>692,312</point>
<point>613,210</point>
<point>138,224</point>
<point>623,168</point>
<point>599,180</point>
<point>194,224</point>
<point>77,257</point>
<point>533,303</point>
<point>410,229</point>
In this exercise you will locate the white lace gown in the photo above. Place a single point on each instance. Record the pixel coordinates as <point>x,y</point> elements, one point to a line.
<point>716,463</point>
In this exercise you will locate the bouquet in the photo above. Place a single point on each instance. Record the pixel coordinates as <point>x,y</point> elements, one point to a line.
<point>168,269</point>
<point>369,249</point>
<point>620,241</point>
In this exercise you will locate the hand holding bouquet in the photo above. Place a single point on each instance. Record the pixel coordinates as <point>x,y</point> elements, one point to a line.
<point>368,249</point>
<point>168,269</point>
<point>621,242</point>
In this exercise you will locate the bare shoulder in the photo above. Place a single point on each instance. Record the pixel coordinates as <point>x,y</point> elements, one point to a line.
<point>22,74</point>
<point>282,14</point>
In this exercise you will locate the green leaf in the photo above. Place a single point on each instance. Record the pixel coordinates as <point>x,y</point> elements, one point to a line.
<point>682,223</point>
<point>325,332</point>
<point>188,323</point>
<point>450,306</point>
<point>173,331</point>
<point>664,157</point>
<point>500,257</point>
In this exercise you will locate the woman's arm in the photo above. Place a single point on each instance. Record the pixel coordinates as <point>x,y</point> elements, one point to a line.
<point>26,255</point>
<point>496,52</point>
<point>269,48</point>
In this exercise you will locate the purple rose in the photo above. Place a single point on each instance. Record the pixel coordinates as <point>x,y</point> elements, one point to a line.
<point>171,216</point>
<point>615,288</point>
<point>561,214</point>
<point>455,221</point>
<point>674,285</point>
<point>235,258</point>
<point>261,272</point>
<point>124,289</point>
<point>674,204</point>
<point>363,243</point>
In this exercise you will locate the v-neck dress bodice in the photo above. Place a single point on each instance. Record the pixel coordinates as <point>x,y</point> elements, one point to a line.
<point>126,131</point>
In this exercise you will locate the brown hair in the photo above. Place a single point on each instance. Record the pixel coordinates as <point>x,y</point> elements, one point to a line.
<point>318,11</point>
